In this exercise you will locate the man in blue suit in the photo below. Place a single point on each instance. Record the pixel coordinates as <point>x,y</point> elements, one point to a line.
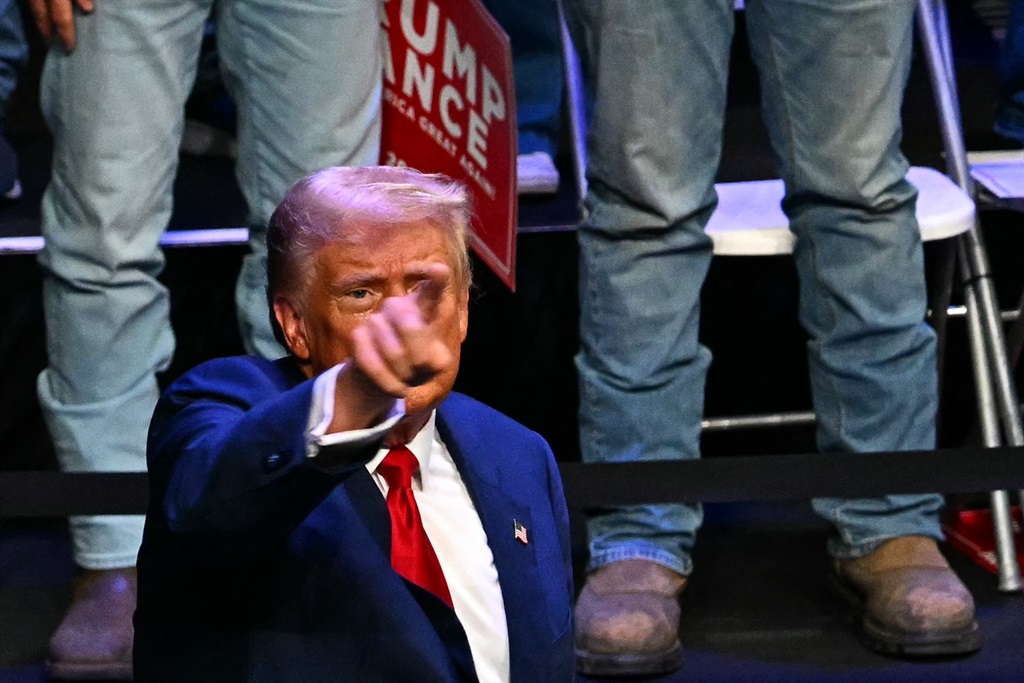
<point>273,550</point>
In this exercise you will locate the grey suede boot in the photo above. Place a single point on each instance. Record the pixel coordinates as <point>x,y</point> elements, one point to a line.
<point>627,620</point>
<point>94,641</point>
<point>907,600</point>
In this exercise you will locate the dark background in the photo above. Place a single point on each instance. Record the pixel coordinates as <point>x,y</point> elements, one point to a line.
<point>757,608</point>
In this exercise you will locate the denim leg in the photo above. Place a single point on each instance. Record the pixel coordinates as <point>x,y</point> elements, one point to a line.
<point>833,74</point>
<point>13,50</point>
<point>658,73</point>
<point>1009,115</point>
<point>533,31</point>
<point>306,78</point>
<point>114,107</point>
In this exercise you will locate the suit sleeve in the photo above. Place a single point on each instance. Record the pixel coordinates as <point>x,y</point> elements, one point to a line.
<point>227,454</point>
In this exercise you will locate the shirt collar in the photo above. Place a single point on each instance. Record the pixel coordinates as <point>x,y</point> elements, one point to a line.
<point>421,446</point>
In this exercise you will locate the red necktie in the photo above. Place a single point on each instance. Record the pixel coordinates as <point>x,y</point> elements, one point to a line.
<point>412,556</point>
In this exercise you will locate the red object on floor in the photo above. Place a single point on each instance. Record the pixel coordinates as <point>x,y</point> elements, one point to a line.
<point>971,532</point>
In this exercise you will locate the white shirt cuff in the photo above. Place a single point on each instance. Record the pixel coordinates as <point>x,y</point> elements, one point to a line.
<point>321,412</point>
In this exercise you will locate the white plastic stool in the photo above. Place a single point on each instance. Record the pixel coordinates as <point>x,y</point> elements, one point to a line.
<point>749,220</point>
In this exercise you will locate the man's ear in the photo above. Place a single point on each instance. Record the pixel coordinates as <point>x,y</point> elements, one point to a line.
<point>463,304</point>
<point>293,327</point>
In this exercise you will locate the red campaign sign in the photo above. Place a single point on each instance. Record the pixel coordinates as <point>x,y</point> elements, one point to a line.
<point>449,107</point>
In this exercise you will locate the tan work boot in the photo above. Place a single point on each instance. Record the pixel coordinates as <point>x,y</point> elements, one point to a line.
<point>627,620</point>
<point>908,601</point>
<point>94,641</point>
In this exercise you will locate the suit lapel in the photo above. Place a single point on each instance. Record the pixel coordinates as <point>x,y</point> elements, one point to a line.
<point>372,509</point>
<point>514,560</point>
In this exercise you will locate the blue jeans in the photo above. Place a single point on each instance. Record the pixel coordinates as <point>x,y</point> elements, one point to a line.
<point>833,74</point>
<point>306,77</point>
<point>1009,115</point>
<point>533,31</point>
<point>13,50</point>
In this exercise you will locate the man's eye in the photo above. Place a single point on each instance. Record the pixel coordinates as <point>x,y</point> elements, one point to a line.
<point>359,293</point>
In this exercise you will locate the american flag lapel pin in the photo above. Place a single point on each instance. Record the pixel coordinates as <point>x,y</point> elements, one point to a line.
<point>520,532</point>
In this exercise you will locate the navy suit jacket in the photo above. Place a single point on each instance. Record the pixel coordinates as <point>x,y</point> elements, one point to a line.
<point>258,566</point>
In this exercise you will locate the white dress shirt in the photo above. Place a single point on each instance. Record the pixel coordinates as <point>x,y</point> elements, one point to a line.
<point>450,520</point>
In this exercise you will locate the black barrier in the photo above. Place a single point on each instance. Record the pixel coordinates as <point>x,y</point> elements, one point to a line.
<point>59,494</point>
<point>724,479</point>
<point>794,477</point>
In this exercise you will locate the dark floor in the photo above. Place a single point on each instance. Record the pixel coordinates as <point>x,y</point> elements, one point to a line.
<point>758,606</point>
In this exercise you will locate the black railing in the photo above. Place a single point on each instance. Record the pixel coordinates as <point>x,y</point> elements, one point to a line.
<point>723,479</point>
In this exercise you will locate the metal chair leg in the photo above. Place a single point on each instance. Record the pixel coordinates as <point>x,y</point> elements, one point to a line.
<point>1008,570</point>
<point>997,397</point>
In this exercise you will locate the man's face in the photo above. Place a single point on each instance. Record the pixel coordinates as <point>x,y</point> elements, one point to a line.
<point>350,280</point>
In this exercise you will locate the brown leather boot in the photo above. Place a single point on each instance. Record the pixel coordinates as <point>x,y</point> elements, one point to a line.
<point>907,600</point>
<point>627,620</point>
<point>94,641</point>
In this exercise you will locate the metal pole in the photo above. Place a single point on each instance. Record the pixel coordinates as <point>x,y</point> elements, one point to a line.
<point>1006,393</point>
<point>988,348</point>
<point>941,24</point>
<point>945,100</point>
<point>939,58</point>
<point>577,105</point>
<point>1007,567</point>
<point>721,424</point>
